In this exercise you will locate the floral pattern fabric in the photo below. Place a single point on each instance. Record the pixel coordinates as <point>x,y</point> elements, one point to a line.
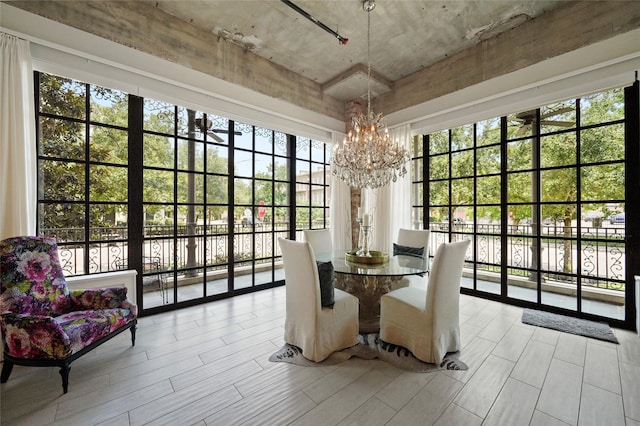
<point>40,317</point>
<point>31,277</point>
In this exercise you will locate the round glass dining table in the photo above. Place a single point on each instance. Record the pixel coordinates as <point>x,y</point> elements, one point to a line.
<point>370,281</point>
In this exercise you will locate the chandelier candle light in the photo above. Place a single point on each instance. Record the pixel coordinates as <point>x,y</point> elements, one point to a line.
<point>368,158</point>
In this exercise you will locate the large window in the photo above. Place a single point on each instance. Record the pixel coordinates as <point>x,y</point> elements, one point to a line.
<point>194,201</point>
<point>541,195</point>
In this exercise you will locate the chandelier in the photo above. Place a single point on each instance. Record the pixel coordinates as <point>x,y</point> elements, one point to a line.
<point>368,158</point>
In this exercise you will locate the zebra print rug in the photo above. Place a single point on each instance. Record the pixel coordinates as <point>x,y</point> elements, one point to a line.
<point>370,346</point>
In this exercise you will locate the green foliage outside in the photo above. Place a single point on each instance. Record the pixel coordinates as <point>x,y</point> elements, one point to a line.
<point>173,146</point>
<point>597,164</point>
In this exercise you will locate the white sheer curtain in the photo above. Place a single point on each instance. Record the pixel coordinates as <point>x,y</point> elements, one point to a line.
<point>340,211</point>
<point>17,139</point>
<point>390,206</point>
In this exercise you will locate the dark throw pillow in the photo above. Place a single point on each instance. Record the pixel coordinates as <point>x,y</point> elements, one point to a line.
<point>408,251</point>
<point>325,273</point>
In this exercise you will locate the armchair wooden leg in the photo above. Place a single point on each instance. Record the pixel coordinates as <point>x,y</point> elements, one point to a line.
<point>133,334</point>
<point>64,372</point>
<point>7,366</point>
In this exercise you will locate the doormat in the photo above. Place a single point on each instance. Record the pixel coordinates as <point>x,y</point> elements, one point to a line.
<point>581,327</point>
<point>370,346</point>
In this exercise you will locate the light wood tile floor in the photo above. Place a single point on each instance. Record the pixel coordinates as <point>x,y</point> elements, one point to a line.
<point>208,365</point>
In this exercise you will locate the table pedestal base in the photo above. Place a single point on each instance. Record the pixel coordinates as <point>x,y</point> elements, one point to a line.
<point>368,289</point>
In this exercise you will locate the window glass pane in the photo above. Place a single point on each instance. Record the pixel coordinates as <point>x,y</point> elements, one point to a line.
<point>519,187</point>
<point>217,159</point>
<point>217,220</point>
<point>603,182</point>
<point>158,186</point>
<point>488,160</point>
<point>317,151</point>
<point>488,190</point>
<point>65,221</point>
<point>521,124</point>
<point>303,218</point>
<point>217,189</point>
<point>159,116</point>
<point>439,142</point>
<point>519,155</point>
<point>558,150</point>
<point>190,152</point>
<point>108,221</point>
<point>462,164</point>
<point>61,139</point>
<point>558,219</point>
<point>602,107</point>
<point>109,106</point>
<point>217,128</point>
<point>303,148</point>
<point>243,163</point>
<point>243,188</point>
<point>263,165</point>
<point>602,144</point>
<point>158,151</point>
<point>303,170</point>
<point>109,145</point>
<point>243,135</point>
<point>462,137</point>
<point>282,219</point>
<point>62,96</point>
<point>488,132</point>
<point>559,185</point>
<point>190,188</point>
<point>439,215</point>
<point>108,183</point>
<point>263,191</point>
<point>280,144</point>
<point>462,192</point>
<point>520,216</point>
<point>558,117</point>
<point>264,140</point>
<point>61,180</point>
<point>439,167</point>
<point>439,192</point>
<point>488,219</point>
<point>281,194</point>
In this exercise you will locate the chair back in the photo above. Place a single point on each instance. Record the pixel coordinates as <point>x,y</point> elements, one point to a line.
<point>31,278</point>
<point>302,284</point>
<point>415,238</point>
<point>443,291</point>
<point>320,240</point>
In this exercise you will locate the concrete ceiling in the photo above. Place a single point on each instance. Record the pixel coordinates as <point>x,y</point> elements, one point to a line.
<point>406,35</point>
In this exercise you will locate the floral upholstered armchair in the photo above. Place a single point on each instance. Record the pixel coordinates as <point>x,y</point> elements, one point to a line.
<point>45,324</point>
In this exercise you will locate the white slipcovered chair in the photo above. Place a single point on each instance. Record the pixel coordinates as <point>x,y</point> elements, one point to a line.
<point>320,240</point>
<point>415,238</point>
<point>427,322</point>
<point>317,330</point>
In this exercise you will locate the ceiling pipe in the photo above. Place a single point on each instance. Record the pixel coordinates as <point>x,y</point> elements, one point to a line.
<point>302,12</point>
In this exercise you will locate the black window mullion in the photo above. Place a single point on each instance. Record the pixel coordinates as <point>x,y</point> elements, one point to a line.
<point>230,208</point>
<point>135,214</point>
<point>504,176</point>
<point>87,156</point>
<point>425,181</point>
<point>291,166</point>
<point>578,272</point>
<point>632,197</point>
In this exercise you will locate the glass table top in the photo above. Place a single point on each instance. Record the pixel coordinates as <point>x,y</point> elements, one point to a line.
<point>396,266</point>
